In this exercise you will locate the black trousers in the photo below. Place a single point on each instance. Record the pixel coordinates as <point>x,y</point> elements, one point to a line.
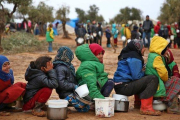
<point>144,87</point>
<point>108,41</point>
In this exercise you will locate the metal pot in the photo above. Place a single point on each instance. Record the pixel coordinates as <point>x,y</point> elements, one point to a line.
<point>122,106</point>
<point>57,113</point>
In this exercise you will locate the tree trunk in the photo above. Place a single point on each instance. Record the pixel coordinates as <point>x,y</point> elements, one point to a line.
<point>65,32</point>
<point>1,49</point>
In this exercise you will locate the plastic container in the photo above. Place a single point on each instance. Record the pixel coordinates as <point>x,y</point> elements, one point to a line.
<point>104,107</point>
<point>120,97</point>
<point>82,90</point>
<point>57,103</point>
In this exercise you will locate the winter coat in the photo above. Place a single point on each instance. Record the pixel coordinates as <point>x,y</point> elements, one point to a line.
<point>108,33</point>
<point>114,31</point>
<point>156,63</point>
<point>134,35</point>
<point>122,30</point>
<point>128,70</point>
<point>147,25</point>
<point>157,27</point>
<point>93,28</point>
<point>99,29</point>
<point>174,31</point>
<point>66,81</point>
<point>127,33</point>
<point>49,35</point>
<point>36,80</point>
<point>91,71</point>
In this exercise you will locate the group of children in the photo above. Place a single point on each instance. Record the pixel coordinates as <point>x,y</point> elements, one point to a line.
<point>43,75</point>
<point>158,79</point>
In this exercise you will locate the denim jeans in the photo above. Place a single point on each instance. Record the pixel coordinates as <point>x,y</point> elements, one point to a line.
<point>50,47</point>
<point>146,35</point>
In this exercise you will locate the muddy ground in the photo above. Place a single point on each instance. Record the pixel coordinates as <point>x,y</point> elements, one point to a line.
<point>20,62</point>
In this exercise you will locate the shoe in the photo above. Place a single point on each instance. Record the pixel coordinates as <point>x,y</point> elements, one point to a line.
<point>37,110</point>
<point>147,108</point>
<point>108,45</point>
<point>137,102</point>
<point>174,108</point>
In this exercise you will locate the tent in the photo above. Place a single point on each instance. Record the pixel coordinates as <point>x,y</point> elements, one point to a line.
<point>70,25</point>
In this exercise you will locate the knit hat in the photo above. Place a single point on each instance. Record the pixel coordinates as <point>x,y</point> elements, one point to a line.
<point>88,21</point>
<point>138,44</point>
<point>135,27</point>
<point>3,59</point>
<point>96,49</point>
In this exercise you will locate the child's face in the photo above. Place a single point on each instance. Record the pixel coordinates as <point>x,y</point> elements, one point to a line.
<point>6,67</point>
<point>100,57</point>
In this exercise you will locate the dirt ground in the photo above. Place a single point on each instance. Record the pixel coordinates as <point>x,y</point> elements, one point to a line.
<point>19,63</point>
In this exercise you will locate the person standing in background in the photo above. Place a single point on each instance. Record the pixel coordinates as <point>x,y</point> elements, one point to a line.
<point>147,26</point>
<point>50,37</point>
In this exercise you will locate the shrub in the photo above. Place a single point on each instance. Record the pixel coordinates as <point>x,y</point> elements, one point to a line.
<point>22,42</point>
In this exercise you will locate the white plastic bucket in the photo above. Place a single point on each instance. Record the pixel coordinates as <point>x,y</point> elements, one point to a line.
<point>82,90</point>
<point>120,97</point>
<point>57,103</point>
<point>104,107</point>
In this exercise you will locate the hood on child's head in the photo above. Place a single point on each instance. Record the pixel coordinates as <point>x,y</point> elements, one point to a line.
<point>158,45</point>
<point>158,23</point>
<point>96,49</point>
<point>114,25</point>
<point>3,59</point>
<point>123,25</point>
<point>169,56</point>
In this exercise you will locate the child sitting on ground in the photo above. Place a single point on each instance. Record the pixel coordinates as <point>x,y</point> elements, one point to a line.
<point>9,92</point>
<point>41,79</point>
<point>67,78</point>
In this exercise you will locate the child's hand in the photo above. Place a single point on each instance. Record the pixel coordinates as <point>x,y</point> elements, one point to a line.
<point>49,66</point>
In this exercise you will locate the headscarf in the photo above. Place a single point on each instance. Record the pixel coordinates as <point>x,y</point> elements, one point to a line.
<point>5,76</point>
<point>65,56</point>
<point>132,50</point>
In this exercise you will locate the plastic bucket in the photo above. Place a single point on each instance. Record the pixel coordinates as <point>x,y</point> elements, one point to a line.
<point>82,90</point>
<point>57,103</point>
<point>104,107</point>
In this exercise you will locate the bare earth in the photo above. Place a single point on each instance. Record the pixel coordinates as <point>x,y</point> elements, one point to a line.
<point>20,62</point>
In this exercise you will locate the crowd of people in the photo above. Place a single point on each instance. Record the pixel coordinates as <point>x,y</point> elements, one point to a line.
<point>158,79</point>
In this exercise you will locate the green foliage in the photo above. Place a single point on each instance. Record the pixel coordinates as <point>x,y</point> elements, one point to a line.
<point>62,13</point>
<point>126,14</point>
<point>22,42</point>
<point>170,11</point>
<point>91,14</point>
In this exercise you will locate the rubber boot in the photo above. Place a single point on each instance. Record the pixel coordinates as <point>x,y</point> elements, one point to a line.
<point>137,102</point>
<point>175,46</point>
<point>173,108</point>
<point>37,110</point>
<point>147,108</point>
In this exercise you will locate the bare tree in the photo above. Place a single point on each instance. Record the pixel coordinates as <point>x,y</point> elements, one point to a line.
<point>62,14</point>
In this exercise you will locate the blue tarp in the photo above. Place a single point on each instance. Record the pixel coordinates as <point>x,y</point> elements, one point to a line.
<point>71,23</point>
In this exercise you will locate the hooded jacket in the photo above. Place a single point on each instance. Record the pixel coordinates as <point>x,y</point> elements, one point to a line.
<point>157,27</point>
<point>50,35</point>
<point>123,30</point>
<point>156,63</point>
<point>114,31</point>
<point>91,71</point>
<point>36,80</point>
<point>130,64</point>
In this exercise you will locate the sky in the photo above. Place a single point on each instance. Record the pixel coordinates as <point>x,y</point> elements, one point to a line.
<point>107,8</point>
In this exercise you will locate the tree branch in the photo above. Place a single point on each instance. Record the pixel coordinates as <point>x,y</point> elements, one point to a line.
<point>2,6</point>
<point>14,10</point>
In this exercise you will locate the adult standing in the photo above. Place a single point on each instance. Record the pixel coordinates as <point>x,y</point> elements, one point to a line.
<point>93,30</point>
<point>147,25</point>
<point>99,31</point>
